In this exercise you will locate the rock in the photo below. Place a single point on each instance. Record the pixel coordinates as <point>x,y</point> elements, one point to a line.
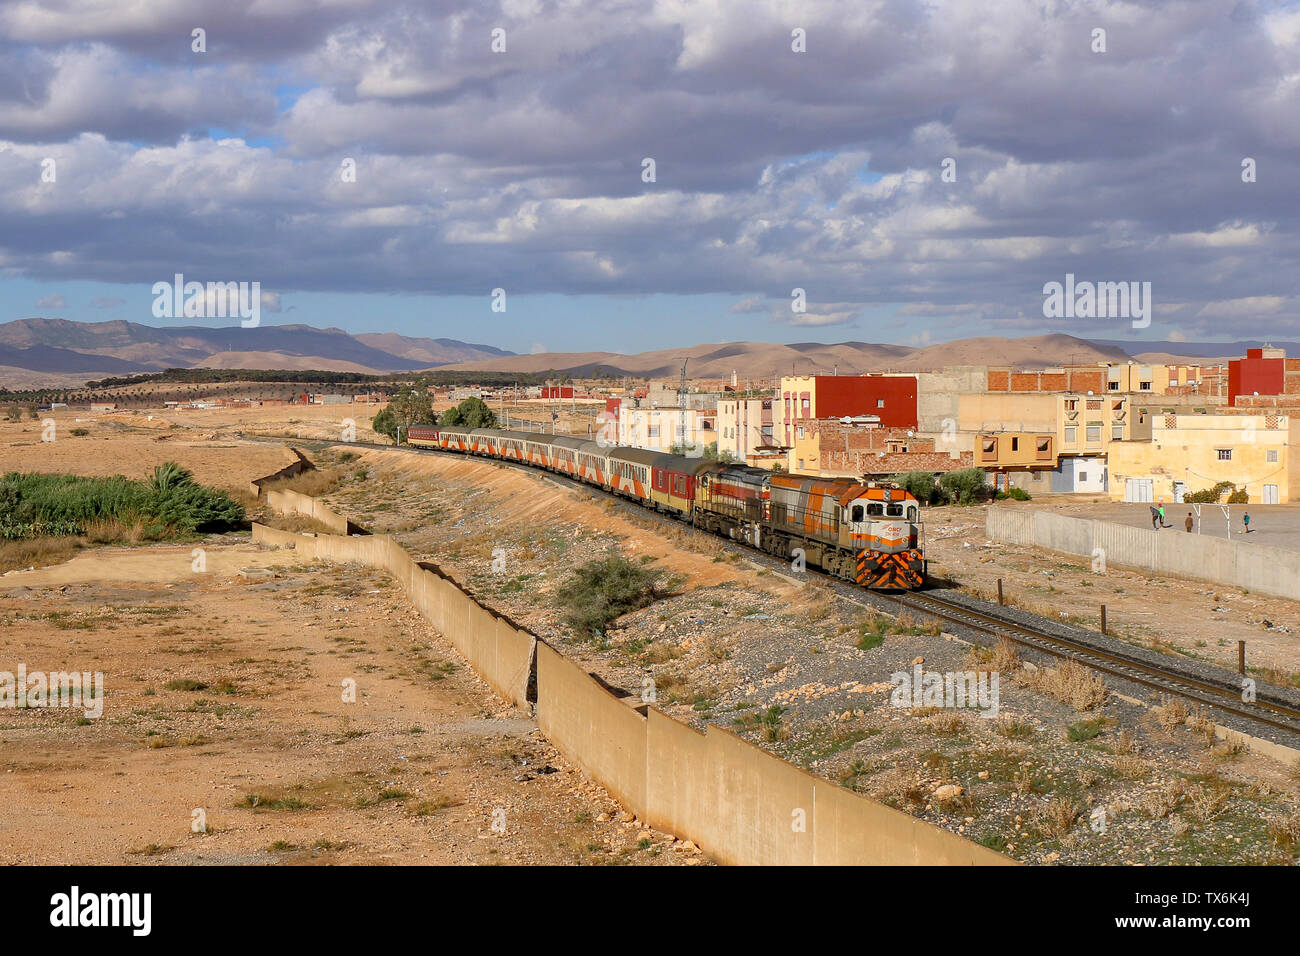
<point>983,774</point>
<point>917,660</point>
<point>626,817</point>
<point>949,791</point>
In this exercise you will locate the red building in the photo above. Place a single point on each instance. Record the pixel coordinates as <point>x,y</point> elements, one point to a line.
<point>557,391</point>
<point>891,398</point>
<point>1262,371</point>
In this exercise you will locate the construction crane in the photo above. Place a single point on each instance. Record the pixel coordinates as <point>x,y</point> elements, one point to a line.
<point>681,389</point>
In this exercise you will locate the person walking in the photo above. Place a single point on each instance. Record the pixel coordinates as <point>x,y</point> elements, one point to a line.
<point>1163,523</point>
<point>1188,523</point>
<point>1245,520</point>
<point>1155,516</point>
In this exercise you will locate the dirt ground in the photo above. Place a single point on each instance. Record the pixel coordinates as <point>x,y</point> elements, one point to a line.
<point>225,695</point>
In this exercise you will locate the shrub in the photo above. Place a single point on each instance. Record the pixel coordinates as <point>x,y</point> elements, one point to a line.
<point>920,485</point>
<point>965,485</point>
<point>601,591</point>
<point>35,505</point>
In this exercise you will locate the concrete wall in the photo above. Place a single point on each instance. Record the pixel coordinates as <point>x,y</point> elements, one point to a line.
<point>288,471</point>
<point>733,799</point>
<point>291,502</point>
<point>1259,568</point>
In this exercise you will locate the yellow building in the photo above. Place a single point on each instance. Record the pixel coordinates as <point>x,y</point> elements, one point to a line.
<point>1193,452</point>
<point>1152,379</point>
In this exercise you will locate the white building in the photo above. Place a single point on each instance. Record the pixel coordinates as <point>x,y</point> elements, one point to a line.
<point>659,429</point>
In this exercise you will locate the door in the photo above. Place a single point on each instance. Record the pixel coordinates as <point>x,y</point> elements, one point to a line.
<point>1138,490</point>
<point>1180,488</point>
<point>1270,494</point>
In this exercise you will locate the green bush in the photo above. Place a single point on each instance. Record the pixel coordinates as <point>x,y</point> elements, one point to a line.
<point>601,591</point>
<point>1238,497</point>
<point>920,485</point>
<point>1212,495</point>
<point>170,503</point>
<point>965,485</point>
<point>1015,494</point>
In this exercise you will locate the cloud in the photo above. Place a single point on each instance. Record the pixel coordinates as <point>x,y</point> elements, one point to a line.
<point>105,302</point>
<point>774,169</point>
<point>753,303</point>
<point>55,302</point>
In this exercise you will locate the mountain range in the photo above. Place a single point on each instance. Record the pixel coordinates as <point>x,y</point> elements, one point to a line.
<point>59,351</point>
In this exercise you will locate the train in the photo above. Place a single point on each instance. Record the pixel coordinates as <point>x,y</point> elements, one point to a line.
<point>869,534</point>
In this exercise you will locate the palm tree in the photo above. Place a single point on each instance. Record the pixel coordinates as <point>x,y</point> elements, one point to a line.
<point>169,476</point>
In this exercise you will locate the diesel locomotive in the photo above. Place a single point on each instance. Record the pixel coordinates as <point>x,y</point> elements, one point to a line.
<point>870,534</point>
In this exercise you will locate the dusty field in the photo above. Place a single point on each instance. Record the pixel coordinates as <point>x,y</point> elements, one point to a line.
<point>225,696</point>
<point>132,446</point>
<point>799,671</point>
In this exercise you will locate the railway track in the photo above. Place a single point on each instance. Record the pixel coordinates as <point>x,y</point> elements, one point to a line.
<point>1220,693</point>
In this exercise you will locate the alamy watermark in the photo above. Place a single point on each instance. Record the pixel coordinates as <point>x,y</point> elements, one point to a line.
<point>215,300</point>
<point>1098,300</point>
<point>975,690</point>
<point>63,689</point>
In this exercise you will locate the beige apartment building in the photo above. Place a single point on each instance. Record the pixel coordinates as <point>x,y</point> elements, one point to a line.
<point>746,431</point>
<point>1192,452</point>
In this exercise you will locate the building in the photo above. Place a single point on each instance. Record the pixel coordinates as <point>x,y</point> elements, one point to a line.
<point>554,392</point>
<point>747,431</point>
<point>1264,371</point>
<point>660,395</point>
<point>885,401</point>
<point>689,430</point>
<point>1193,452</point>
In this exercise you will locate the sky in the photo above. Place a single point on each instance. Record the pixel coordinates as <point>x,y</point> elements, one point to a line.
<point>920,171</point>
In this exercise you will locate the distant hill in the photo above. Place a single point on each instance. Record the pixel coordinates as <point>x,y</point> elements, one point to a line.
<point>762,361</point>
<point>60,346</point>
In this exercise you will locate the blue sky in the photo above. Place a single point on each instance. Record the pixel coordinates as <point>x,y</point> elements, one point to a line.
<point>774,169</point>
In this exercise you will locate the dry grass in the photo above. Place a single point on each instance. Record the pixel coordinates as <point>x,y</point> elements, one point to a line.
<point>317,482</point>
<point>1058,817</point>
<point>945,724</point>
<point>1070,682</point>
<point>1172,714</point>
<point>37,552</point>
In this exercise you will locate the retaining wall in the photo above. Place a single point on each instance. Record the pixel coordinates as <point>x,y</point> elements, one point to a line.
<point>736,801</point>
<point>1260,568</point>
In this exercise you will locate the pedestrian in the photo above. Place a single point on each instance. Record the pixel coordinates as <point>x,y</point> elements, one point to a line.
<point>1245,520</point>
<point>1163,523</point>
<point>1188,523</point>
<point>1155,516</point>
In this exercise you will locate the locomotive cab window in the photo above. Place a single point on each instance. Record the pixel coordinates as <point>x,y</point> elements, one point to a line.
<point>858,514</point>
<point>894,510</point>
<point>875,509</point>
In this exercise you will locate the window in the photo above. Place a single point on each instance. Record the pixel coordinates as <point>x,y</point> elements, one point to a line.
<point>801,431</point>
<point>806,406</point>
<point>880,403</point>
<point>858,513</point>
<point>1015,444</point>
<point>1071,435</point>
<point>894,509</point>
<point>1117,432</point>
<point>1144,386</point>
<point>801,464</point>
<point>1094,433</point>
<point>875,509</point>
<point>1271,454</point>
<point>1225,454</point>
<point>1071,404</point>
<point>1113,386</point>
<point>1083,476</point>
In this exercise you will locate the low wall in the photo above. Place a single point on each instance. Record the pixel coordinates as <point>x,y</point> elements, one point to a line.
<point>733,799</point>
<point>1259,568</point>
<point>293,502</point>
<point>288,471</point>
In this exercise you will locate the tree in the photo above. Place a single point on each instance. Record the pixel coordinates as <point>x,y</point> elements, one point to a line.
<point>965,485</point>
<point>471,413</point>
<point>920,484</point>
<point>408,406</point>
